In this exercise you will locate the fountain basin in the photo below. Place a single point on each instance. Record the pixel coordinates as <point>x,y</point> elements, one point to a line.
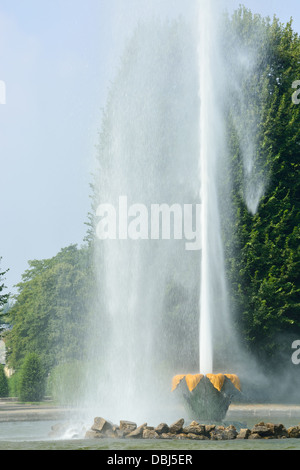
<point>206,397</point>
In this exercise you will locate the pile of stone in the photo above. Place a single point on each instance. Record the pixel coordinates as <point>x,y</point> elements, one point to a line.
<point>195,431</point>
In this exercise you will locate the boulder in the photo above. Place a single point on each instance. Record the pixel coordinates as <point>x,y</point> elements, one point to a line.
<point>101,425</point>
<point>220,433</point>
<point>138,432</point>
<point>209,428</point>
<point>167,435</point>
<point>90,434</point>
<point>262,430</point>
<point>162,428</point>
<point>176,427</point>
<point>194,428</point>
<point>127,427</point>
<point>277,430</point>
<point>294,432</point>
<point>150,434</point>
<point>119,434</point>
<point>254,435</point>
<point>270,431</point>
<point>197,437</point>
<point>231,432</point>
<point>243,434</point>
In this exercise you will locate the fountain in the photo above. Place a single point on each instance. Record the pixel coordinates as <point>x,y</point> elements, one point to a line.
<point>207,395</point>
<point>163,141</point>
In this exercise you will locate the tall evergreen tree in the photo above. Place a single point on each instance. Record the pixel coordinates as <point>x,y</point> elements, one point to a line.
<point>263,251</point>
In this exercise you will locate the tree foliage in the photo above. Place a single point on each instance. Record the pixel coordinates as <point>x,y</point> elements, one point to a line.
<point>32,379</point>
<point>4,392</point>
<point>50,313</point>
<point>3,297</point>
<point>263,250</point>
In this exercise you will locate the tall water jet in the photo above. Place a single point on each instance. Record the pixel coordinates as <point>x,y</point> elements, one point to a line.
<point>208,395</point>
<point>213,297</point>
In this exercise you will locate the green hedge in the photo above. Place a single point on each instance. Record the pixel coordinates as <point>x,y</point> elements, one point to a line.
<point>4,391</point>
<point>32,379</point>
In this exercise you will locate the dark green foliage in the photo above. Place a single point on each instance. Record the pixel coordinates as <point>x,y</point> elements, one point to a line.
<point>3,383</point>
<point>14,384</point>
<point>263,250</point>
<point>32,379</point>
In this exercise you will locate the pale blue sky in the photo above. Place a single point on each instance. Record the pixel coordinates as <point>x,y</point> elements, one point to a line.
<point>57,58</point>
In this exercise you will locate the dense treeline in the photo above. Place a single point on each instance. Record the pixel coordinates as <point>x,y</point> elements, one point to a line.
<point>263,259</point>
<point>51,313</point>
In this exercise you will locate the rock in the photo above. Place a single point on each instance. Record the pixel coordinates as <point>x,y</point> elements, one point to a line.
<point>138,432</point>
<point>110,434</point>
<point>217,436</point>
<point>101,425</point>
<point>127,427</point>
<point>194,431</point>
<point>93,435</point>
<point>162,428</point>
<point>119,433</point>
<point>294,432</point>
<point>194,428</point>
<point>254,436</point>
<point>277,430</point>
<point>209,428</point>
<point>150,434</point>
<point>176,427</point>
<point>262,430</point>
<point>197,437</point>
<point>243,434</point>
<point>219,433</point>
<point>231,432</point>
<point>270,430</point>
<point>167,435</point>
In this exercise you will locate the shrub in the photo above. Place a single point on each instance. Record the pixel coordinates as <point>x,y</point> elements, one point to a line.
<point>14,385</point>
<point>3,383</point>
<point>32,379</point>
